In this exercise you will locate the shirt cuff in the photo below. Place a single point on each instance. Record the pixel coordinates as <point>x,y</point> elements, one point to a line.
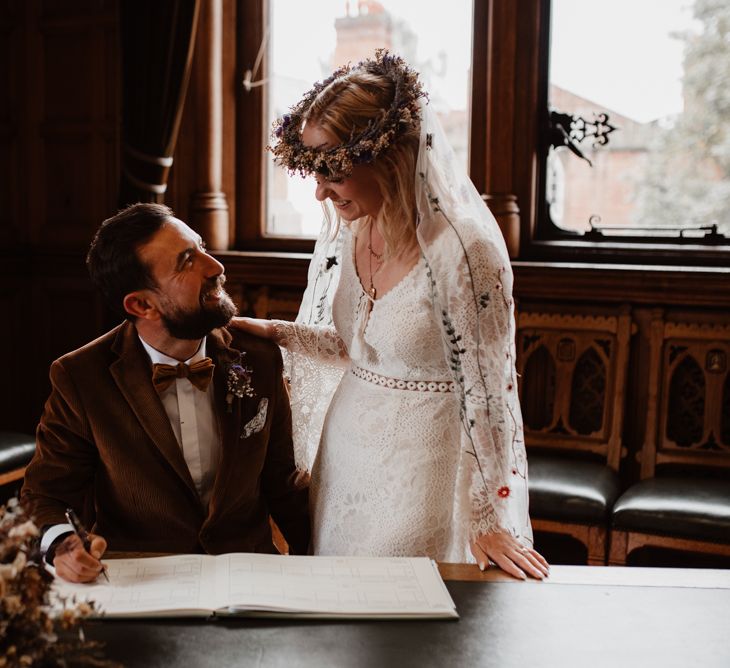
<point>52,534</point>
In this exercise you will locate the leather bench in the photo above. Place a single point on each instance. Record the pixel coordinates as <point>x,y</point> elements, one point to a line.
<point>16,451</point>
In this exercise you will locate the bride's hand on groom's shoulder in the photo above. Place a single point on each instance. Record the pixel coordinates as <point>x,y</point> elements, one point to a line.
<point>255,326</point>
<point>510,555</point>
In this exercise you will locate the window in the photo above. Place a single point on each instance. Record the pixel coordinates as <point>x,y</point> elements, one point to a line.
<point>521,61</point>
<point>658,171</point>
<point>305,43</point>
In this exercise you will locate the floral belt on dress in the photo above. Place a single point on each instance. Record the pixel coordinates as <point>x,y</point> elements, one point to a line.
<point>400,384</point>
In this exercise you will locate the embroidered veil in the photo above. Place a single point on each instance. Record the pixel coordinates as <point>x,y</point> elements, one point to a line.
<point>471,296</point>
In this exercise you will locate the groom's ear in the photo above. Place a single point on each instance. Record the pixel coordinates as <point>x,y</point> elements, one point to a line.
<point>141,304</point>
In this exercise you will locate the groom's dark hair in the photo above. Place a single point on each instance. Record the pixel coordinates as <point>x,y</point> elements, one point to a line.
<point>113,261</point>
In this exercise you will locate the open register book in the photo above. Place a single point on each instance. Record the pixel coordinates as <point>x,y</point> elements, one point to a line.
<point>263,584</point>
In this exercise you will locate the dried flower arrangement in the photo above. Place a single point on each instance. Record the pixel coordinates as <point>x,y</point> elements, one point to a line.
<point>30,634</point>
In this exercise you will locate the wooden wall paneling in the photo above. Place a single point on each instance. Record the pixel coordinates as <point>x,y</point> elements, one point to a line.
<point>10,228</point>
<point>637,386</point>
<point>11,232</point>
<point>67,315</point>
<point>706,287</point>
<point>68,184</point>
<point>18,367</point>
<point>78,131</point>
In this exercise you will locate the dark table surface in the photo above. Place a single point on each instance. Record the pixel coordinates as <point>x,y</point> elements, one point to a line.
<point>501,624</point>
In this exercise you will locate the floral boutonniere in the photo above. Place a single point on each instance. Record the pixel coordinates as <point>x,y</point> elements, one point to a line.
<point>238,381</point>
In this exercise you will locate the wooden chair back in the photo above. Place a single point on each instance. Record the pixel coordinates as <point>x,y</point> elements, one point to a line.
<point>573,378</point>
<point>688,418</point>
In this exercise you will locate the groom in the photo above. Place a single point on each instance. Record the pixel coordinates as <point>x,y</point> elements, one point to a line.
<point>167,434</point>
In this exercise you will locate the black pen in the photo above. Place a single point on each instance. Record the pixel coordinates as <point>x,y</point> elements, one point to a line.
<point>83,534</point>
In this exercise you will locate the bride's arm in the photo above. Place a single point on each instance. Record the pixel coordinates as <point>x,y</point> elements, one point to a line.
<point>316,341</point>
<point>481,326</point>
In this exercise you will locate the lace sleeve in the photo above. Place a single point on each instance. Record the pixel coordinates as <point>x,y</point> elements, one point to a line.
<point>478,319</point>
<point>318,342</point>
<point>495,449</point>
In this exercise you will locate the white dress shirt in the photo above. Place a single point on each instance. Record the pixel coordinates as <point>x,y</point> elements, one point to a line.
<point>195,425</point>
<point>193,420</point>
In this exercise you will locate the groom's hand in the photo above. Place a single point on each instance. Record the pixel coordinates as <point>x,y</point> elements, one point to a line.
<point>74,563</point>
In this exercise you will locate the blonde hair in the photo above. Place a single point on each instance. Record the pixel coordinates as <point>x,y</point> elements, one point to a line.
<point>345,108</point>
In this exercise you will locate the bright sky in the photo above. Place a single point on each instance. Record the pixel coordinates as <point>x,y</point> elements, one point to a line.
<point>304,35</point>
<point>621,53</point>
<point>303,42</point>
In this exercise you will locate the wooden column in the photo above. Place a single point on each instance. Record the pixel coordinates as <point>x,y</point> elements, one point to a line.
<point>505,96</point>
<point>208,205</point>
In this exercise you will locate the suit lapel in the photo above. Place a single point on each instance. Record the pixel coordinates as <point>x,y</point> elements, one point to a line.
<point>133,376</point>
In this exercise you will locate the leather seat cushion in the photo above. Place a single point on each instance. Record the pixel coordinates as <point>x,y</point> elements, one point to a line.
<point>16,450</point>
<point>571,490</point>
<point>682,507</point>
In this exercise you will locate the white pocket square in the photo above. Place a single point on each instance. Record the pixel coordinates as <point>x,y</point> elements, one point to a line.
<point>257,422</point>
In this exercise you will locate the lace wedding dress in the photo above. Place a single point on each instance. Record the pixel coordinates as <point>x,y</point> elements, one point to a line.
<point>407,413</point>
<point>384,479</point>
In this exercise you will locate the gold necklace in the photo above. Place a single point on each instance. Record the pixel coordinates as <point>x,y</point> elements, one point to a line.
<point>379,257</point>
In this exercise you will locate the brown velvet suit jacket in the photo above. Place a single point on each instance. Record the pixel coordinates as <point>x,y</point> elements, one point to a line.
<point>106,448</point>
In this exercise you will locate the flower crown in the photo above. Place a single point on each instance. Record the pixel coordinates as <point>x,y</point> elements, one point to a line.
<point>336,162</point>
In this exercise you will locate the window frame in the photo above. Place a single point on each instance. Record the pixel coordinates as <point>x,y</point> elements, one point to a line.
<point>549,242</point>
<point>250,147</point>
<point>508,140</point>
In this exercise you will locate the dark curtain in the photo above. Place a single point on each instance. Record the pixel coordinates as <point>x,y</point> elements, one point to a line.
<point>157,38</point>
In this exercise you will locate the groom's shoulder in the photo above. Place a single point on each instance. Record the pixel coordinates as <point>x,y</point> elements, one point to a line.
<point>96,350</point>
<point>254,346</point>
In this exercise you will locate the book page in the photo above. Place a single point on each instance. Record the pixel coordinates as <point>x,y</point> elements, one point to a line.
<point>181,584</point>
<point>198,585</point>
<point>348,586</point>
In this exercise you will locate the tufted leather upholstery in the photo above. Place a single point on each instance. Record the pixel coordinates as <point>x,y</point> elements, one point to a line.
<point>16,450</point>
<point>571,490</point>
<point>687,507</point>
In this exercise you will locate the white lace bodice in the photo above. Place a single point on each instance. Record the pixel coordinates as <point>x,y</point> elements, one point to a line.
<point>397,337</point>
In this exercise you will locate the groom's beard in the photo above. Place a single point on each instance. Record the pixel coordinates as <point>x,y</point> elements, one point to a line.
<point>198,322</point>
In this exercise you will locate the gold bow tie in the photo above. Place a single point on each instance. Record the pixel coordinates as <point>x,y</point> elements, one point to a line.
<point>198,373</point>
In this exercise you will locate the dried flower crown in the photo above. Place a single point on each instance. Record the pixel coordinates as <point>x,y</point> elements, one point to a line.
<point>362,148</point>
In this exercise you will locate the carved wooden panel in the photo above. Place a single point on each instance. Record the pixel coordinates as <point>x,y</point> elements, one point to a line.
<point>689,414</point>
<point>694,387</point>
<point>573,370</point>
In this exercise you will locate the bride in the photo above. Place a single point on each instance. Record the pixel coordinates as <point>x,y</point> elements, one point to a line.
<point>401,361</point>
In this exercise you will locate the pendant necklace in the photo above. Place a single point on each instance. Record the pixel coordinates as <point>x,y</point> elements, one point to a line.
<point>372,292</point>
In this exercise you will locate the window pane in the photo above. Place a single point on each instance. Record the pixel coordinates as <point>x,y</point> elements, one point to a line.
<point>308,40</point>
<point>661,70</point>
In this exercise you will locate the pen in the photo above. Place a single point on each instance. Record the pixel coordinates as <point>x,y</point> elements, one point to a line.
<point>83,534</point>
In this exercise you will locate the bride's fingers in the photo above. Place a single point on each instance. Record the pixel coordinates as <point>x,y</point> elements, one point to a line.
<point>508,566</point>
<point>480,555</point>
<point>524,558</point>
<point>540,560</point>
